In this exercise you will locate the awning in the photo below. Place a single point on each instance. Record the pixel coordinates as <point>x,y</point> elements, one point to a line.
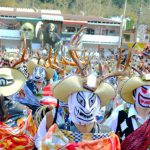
<point>28,19</point>
<point>52,17</point>
<point>74,22</point>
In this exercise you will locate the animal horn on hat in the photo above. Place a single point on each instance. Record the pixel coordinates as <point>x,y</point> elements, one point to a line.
<point>77,61</point>
<point>54,65</point>
<point>39,57</point>
<point>73,53</point>
<point>21,60</point>
<point>74,39</point>
<point>82,67</point>
<point>138,71</point>
<point>120,72</point>
<point>119,58</point>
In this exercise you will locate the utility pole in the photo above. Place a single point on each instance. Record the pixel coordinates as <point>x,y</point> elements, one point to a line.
<point>138,20</point>
<point>121,28</point>
<point>45,3</point>
<point>100,9</point>
<point>26,3</point>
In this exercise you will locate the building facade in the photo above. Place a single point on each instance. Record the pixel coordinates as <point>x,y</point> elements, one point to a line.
<point>101,33</point>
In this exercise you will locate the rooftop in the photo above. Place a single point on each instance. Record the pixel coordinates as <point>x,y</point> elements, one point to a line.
<point>37,13</point>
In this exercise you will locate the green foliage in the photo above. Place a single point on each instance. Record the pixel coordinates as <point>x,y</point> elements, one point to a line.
<point>119,3</point>
<point>130,24</point>
<point>8,3</point>
<point>47,1</point>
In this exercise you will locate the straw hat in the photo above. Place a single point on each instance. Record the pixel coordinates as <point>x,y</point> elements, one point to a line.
<point>11,81</point>
<point>127,87</point>
<point>61,90</point>
<point>34,63</point>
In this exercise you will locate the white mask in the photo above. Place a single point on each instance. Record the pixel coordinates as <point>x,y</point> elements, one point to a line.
<point>83,107</point>
<point>142,96</point>
<point>39,74</point>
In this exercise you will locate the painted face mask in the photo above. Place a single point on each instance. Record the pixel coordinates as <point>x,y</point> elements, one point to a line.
<point>141,96</point>
<point>83,107</point>
<point>39,74</point>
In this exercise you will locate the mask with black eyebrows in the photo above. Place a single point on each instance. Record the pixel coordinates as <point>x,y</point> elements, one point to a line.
<point>39,74</point>
<point>83,107</point>
<point>141,95</point>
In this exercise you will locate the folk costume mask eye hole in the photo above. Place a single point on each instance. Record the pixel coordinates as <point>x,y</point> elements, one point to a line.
<point>81,99</point>
<point>141,96</point>
<point>92,100</point>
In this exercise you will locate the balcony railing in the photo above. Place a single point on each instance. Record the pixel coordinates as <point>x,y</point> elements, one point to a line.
<point>100,39</point>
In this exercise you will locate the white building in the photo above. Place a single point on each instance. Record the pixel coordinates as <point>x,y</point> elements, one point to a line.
<point>101,33</point>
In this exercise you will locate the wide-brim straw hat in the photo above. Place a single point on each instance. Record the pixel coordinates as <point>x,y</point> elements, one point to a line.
<point>11,81</point>
<point>72,84</point>
<point>34,63</point>
<point>131,84</point>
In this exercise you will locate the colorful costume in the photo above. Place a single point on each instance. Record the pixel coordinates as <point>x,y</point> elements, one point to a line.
<point>84,99</point>
<point>128,121</point>
<point>17,128</point>
<point>33,94</point>
<point>56,139</point>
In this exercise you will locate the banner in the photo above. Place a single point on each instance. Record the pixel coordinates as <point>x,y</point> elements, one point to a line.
<point>138,48</point>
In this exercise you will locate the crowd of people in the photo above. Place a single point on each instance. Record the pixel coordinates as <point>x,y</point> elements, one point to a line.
<point>51,104</point>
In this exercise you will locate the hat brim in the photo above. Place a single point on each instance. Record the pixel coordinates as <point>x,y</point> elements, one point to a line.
<point>72,84</point>
<point>127,88</point>
<point>18,81</point>
<point>106,92</point>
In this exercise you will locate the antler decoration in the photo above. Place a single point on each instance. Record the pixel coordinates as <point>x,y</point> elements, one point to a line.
<point>54,65</point>
<point>74,55</point>
<point>71,63</point>
<point>39,57</point>
<point>72,42</point>
<point>119,58</point>
<point>55,57</point>
<point>119,72</point>
<point>79,64</point>
<point>49,57</point>
<point>129,56</point>
<point>89,60</point>
<point>138,71</point>
<point>22,58</point>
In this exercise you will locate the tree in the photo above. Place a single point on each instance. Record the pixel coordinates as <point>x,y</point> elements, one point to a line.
<point>47,1</point>
<point>119,3</point>
<point>8,3</point>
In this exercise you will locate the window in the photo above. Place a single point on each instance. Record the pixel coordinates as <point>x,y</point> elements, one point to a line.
<point>90,31</point>
<point>127,37</point>
<point>105,32</point>
<point>70,29</point>
<point>112,32</point>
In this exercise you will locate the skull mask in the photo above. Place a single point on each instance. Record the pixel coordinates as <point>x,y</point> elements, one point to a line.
<point>51,29</point>
<point>27,30</point>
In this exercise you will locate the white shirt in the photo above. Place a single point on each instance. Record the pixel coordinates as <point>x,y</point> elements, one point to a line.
<point>41,132</point>
<point>112,121</point>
